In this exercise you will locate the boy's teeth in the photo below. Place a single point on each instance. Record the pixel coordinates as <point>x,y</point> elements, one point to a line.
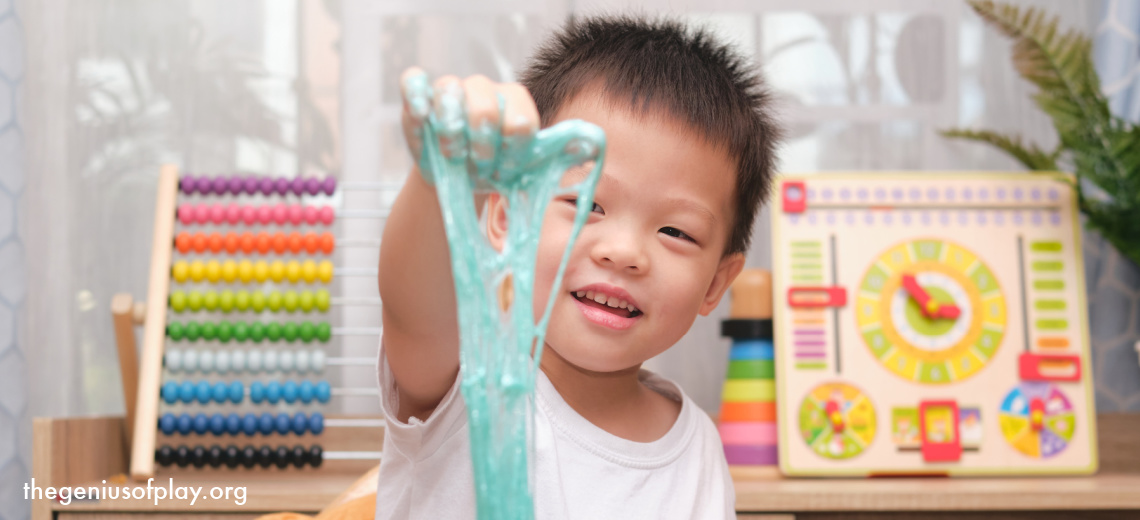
<point>589,295</point>
<point>622,304</point>
<point>580,294</point>
<point>600,298</point>
<point>632,308</point>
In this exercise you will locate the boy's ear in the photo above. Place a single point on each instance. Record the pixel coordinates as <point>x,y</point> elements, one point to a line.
<point>730,266</point>
<point>496,220</point>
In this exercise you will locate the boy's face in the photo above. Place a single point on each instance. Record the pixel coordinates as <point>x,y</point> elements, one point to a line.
<point>655,240</point>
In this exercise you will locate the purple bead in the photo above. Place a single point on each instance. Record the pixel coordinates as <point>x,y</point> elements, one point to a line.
<point>265,185</point>
<point>281,186</point>
<point>297,186</point>
<point>329,185</point>
<point>220,185</point>
<point>312,186</point>
<point>249,184</point>
<point>236,184</point>
<point>188,184</point>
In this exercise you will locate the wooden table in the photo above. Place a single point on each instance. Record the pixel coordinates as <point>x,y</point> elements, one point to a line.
<point>85,451</point>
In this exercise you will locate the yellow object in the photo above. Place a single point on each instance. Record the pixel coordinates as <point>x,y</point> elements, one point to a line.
<point>197,271</point>
<point>261,271</point>
<point>229,271</point>
<point>213,271</point>
<point>738,390</point>
<point>180,272</point>
<point>245,271</point>
<point>309,271</point>
<point>293,271</point>
<point>277,271</point>
<point>325,271</point>
<point>931,306</point>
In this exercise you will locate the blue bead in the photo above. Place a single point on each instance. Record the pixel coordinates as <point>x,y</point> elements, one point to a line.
<point>168,423</point>
<point>202,392</point>
<point>256,392</point>
<point>233,424</point>
<point>300,423</point>
<point>289,391</point>
<point>266,424</point>
<point>220,392</point>
<point>170,392</point>
<point>324,391</point>
<point>201,424</point>
<point>218,424</point>
<point>273,392</point>
<point>186,391</point>
<point>317,423</point>
<point>237,391</point>
<point>249,424</point>
<point>307,392</point>
<point>185,424</point>
<point>283,423</point>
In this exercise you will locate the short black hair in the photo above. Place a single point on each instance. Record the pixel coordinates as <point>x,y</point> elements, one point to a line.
<point>664,65</point>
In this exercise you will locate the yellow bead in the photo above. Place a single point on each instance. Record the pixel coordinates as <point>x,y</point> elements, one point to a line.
<point>229,271</point>
<point>309,271</point>
<point>293,271</point>
<point>197,271</point>
<point>325,271</point>
<point>181,271</point>
<point>245,271</point>
<point>213,271</point>
<point>277,271</point>
<point>261,271</point>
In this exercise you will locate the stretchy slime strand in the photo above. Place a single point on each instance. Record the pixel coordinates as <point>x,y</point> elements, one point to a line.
<point>497,367</point>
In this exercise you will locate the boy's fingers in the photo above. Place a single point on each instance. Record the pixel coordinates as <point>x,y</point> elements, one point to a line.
<point>416,92</point>
<point>483,119</point>
<point>451,117</point>
<point>520,117</point>
<point>413,133</point>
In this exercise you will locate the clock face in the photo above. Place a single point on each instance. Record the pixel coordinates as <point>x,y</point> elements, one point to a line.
<point>930,311</point>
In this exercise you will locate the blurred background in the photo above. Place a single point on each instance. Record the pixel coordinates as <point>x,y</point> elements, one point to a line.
<point>96,94</point>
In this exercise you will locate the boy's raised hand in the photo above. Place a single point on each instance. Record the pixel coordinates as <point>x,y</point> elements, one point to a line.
<point>473,117</point>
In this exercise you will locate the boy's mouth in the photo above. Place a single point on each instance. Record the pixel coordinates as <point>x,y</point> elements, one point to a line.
<point>608,304</point>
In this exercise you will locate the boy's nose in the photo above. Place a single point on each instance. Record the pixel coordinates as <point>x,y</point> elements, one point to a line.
<point>622,252</point>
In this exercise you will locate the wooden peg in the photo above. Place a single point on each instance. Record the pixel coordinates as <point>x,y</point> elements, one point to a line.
<point>752,295</point>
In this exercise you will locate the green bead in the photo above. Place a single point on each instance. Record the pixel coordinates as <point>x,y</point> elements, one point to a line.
<point>210,300</point>
<point>178,301</point>
<point>324,332</point>
<point>274,301</point>
<point>193,331</point>
<point>307,331</point>
<point>241,300</point>
<point>257,301</point>
<point>175,331</point>
<point>226,301</point>
<point>289,301</point>
<point>290,332</point>
<point>241,331</point>
<point>273,331</point>
<point>209,331</point>
<point>225,331</point>
<point>322,300</point>
<point>194,300</point>
<point>305,301</point>
<point>256,332</point>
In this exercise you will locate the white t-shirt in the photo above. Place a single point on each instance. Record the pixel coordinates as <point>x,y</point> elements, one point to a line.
<point>581,471</point>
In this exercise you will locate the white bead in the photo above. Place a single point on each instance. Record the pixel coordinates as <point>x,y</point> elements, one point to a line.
<point>286,360</point>
<point>237,360</point>
<point>254,361</point>
<point>222,361</point>
<point>318,361</point>
<point>302,361</point>
<point>270,360</point>
<point>190,360</point>
<point>206,361</point>
<point>173,360</point>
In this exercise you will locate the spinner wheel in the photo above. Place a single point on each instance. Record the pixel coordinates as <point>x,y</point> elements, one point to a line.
<point>837,420</point>
<point>1037,419</point>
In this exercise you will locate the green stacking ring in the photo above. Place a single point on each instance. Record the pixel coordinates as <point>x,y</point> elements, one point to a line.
<point>750,369</point>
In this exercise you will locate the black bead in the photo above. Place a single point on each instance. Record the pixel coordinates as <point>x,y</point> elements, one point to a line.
<point>316,456</point>
<point>248,456</point>
<point>300,456</point>
<point>198,456</point>
<point>232,456</point>
<point>265,456</point>
<point>214,456</point>
<point>182,456</point>
<point>282,455</point>
<point>164,456</point>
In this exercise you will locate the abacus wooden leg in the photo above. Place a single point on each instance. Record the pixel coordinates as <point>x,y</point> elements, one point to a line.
<point>122,314</point>
<point>73,452</point>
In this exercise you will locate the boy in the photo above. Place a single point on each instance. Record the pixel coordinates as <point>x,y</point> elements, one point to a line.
<point>690,151</point>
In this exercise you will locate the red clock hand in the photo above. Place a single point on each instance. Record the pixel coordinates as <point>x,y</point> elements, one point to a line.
<point>948,310</point>
<point>925,302</point>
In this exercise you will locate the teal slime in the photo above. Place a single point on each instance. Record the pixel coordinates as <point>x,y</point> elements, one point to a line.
<point>497,366</point>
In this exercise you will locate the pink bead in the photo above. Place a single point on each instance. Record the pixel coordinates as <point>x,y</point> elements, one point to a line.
<point>233,214</point>
<point>309,214</point>
<point>325,215</point>
<point>265,215</point>
<point>186,214</point>
<point>217,213</point>
<point>249,215</point>
<point>295,214</point>
<point>278,213</point>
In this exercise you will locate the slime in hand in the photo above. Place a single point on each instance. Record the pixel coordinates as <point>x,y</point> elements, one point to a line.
<point>496,338</point>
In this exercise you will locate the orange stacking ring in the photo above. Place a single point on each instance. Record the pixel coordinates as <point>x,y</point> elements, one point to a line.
<point>748,411</point>
<point>261,243</point>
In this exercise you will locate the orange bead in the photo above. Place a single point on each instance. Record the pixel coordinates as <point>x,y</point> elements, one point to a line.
<point>327,243</point>
<point>309,242</point>
<point>262,242</point>
<point>247,243</point>
<point>230,242</point>
<point>182,242</point>
<point>292,242</point>
<point>280,246</point>
<point>198,242</point>
<point>214,242</point>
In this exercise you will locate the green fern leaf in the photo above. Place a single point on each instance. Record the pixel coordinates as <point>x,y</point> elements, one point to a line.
<point>1031,157</point>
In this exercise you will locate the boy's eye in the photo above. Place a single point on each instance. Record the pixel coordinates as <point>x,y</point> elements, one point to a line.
<point>596,207</point>
<point>677,233</point>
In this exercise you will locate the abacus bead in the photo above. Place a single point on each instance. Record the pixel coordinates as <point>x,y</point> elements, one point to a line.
<point>236,392</point>
<point>222,361</point>
<point>295,242</point>
<point>220,392</point>
<point>265,457</point>
<point>175,331</point>
<point>214,456</point>
<point>167,423</point>
<point>281,186</point>
<point>206,361</point>
<point>188,184</point>
<point>265,424</point>
<point>283,424</point>
<point>297,186</point>
<point>180,272</point>
<point>279,243</point>
<point>177,301</point>
<point>229,271</point>
<point>316,423</point>
<point>324,391</point>
<point>248,457</point>
<point>218,424</point>
<point>210,300</point>
<point>233,424</point>
<point>173,358</point>
<point>257,299</point>
<point>256,392</point>
<point>316,456</point>
<point>273,392</point>
<point>194,300</point>
<point>286,361</point>
<point>232,184</point>
<point>309,214</point>
<point>170,392</point>
<point>326,243</point>
<point>324,332</point>
<point>300,423</point>
<point>201,423</point>
<point>232,456</point>
<point>249,216</point>
<point>249,184</point>
<point>241,298</point>
<point>289,301</point>
<point>182,456</point>
<point>190,360</point>
<point>295,215</point>
<point>264,215</point>
<point>293,272</point>
<point>198,456</point>
<point>289,392</point>
<point>188,214</point>
<point>164,456</point>
<point>325,215</point>
<point>283,455</point>
<point>256,332</point>
<point>192,330</point>
<point>221,185</point>
<point>182,242</point>
<point>209,330</point>
<point>225,331</point>
<point>202,392</point>
<point>263,243</point>
<point>309,271</point>
<point>325,271</point>
<point>186,392</point>
<point>213,271</point>
<point>241,333</point>
<point>237,357</point>
<point>273,331</point>
<point>322,300</point>
<point>274,301</point>
<point>265,185</point>
<point>245,271</point>
<point>306,392</point>
<point>299,456</point>
<point>233,214</point>
<point>329,185</point>
<point>249,424</point>
<point>185,424</point>
<point>318,360</point>
<point>277,271</point>
<point>253,360</point>
<point>303,361</point>
<point>307,331</point>
<point>277,213</point>
<point>197,271</point>
<point>305,301</point>
<point>312,186</point>
<point>289,331</point>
